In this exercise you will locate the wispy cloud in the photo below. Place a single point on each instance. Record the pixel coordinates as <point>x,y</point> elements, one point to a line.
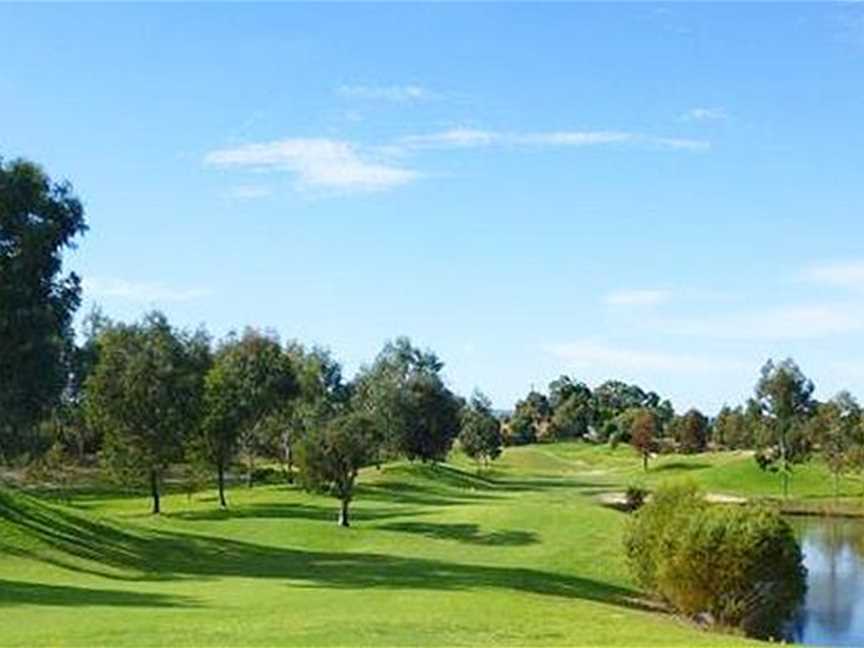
<point>705,114</point>
<point>332,164</point>
<point>590,354</point>
<point>393,93</point>
<point>476,138</point>
<point>139,291</point>
<point>784,323</point>
<point>843,273</point>
<point>317,163</point>
<point>636,297</point>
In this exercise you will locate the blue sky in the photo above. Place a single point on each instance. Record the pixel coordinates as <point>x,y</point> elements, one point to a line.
<point>668,194</point>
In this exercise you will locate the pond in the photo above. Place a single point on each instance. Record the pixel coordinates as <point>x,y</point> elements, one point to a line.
<point>833,611</point>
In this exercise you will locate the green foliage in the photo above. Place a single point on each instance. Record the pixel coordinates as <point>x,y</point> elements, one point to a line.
<point>520,429</point>
<point>330,457</point>
<point>733,429</point>
<point>480,435</point>
<point>145,398</point>
<point>741,565</point>
<point>836,429</point>
<point>252,379</point>
<point>39,219</point>
<point>415,415</point>
<point>690,431</point>
<point>785,397</point>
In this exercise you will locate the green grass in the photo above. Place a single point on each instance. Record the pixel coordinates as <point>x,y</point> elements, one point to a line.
<point>520,555</point>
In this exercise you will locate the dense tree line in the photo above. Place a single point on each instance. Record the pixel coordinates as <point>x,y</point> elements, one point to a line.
<point>782,422</point>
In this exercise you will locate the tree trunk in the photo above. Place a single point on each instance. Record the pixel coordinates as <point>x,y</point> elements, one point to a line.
<point>645,461</point>
<point>250,468</point>
<point>220,475</point>
<point>290,457</point>
<point>343,514</point>
<point>154,491</point>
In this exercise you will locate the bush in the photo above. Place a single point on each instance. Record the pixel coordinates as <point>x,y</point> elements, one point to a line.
<point>634,497</point>
<point>738,565</point>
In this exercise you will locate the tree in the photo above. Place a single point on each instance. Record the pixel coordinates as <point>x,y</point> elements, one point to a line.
<point>144,396</point>
<point>690,431</point>
<point>643,434</point>
<point>321,393</point>
<point>571,419</point>
<point>837,432</point>
<point>572,409</point>
<point>480,436</point>
<point>331,456</point>
<point>251,380</point>
<point>564,388</point>
<point>415,415</point>
<point>733,429</point>
<point>785,396</point>
<point>39,219</point>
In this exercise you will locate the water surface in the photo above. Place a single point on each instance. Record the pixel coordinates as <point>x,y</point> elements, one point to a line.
<point>833,610</point>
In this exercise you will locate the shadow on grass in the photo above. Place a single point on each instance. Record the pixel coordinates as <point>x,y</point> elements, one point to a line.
<point>97,548</point>
<point>468,533</point>
<point>681,465</point>
<point>288,511</point>
<point>22,593</point>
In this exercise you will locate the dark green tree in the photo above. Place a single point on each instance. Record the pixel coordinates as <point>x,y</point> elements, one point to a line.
<point>480,436</point>
<point>144,396</point>
<point>330,457</point>
<point>415,414</point>
<point>690,431</point>
<point>39,219</point>
<point>252,381</point>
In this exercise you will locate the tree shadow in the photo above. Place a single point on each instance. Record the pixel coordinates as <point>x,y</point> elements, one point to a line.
<point>23,593</point>
<point>681,465</point>
<point>468,533</point>
<point>97,548</point>
<point>288,511</point>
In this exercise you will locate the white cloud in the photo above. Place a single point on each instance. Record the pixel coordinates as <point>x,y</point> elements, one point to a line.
<point>249,192</point>
<point>705,114</point>
<point>636,297</point>
<point>394,93</point>
<point>145,292</point>
<point>317,163</point>
<point>793,322</point>
<point>848,273</point>
<point>475,138</point>
<point>589,354</point>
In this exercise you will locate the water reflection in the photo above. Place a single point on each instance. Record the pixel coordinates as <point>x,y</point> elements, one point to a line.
<point>833,610</point>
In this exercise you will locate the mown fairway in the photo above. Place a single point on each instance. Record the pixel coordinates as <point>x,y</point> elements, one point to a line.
<point>522,555</point>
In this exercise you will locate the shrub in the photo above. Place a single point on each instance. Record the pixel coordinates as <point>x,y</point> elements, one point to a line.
<point>738,565</point>
<point>634,497</point>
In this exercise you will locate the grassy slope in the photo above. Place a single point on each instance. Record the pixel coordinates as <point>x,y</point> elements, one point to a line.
<point>521,556</point>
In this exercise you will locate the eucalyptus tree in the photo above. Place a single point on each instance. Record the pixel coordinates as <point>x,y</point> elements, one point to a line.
<point>480,433</point>
<point>144,396</point>
<point>331,455</point>
<point>838,433</point>
<point>39,220</point>
<point>414,412</point>
<point>252,380</point>
<point>785,398</point>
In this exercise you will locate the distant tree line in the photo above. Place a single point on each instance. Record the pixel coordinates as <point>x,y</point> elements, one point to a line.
<point>782,422</point>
